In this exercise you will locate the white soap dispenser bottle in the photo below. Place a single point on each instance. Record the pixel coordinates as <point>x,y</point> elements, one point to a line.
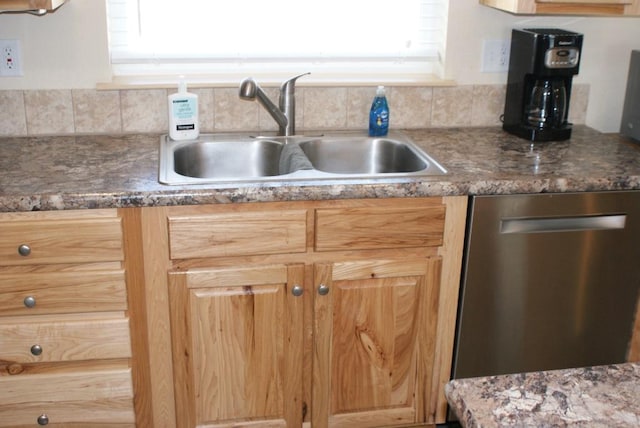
<point>183,114</point>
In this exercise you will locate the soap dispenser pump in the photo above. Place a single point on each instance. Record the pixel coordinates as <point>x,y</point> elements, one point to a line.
<point>379,114</point>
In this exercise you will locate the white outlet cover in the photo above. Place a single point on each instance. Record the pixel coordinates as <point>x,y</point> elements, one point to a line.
<point>495,56</point>
<point>10,58</point>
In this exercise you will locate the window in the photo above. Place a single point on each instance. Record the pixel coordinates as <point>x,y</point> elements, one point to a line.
<point>222,40</point>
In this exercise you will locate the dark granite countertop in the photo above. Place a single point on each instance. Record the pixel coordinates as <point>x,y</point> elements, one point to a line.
<point>71,172</point>
<point>602,396</point>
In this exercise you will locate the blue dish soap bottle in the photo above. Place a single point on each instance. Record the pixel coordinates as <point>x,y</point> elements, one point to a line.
<point>379,115</point>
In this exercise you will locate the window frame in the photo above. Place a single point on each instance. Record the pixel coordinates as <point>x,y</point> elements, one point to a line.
<point>350,71</point>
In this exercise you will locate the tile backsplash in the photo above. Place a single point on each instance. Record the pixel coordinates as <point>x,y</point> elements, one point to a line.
<point>87,111</point>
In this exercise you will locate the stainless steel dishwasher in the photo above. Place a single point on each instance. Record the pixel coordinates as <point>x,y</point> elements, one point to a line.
<point>550,281</point>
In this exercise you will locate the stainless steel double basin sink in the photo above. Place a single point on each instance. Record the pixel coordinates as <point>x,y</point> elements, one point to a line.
<point>234,158</point>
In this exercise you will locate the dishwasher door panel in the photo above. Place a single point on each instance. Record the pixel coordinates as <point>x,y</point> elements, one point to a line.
<point>550,281</point>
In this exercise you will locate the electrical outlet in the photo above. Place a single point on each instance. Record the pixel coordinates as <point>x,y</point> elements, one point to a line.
<point>495,56</point>
<point>10,58</point>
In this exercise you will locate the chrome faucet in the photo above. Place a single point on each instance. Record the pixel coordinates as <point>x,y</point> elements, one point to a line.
<point>285,114</point>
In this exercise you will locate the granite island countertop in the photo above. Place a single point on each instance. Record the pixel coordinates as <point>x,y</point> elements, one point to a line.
<point>114,171</point>
<point>601,396</point>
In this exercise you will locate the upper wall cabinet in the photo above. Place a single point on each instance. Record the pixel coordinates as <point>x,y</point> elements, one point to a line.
<point>567,7</point>
<point>38,7</point>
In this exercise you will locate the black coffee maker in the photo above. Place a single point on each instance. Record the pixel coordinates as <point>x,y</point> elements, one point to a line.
<point>542,64</point>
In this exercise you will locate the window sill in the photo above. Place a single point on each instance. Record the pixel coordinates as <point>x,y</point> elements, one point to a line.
<point>232,81</point>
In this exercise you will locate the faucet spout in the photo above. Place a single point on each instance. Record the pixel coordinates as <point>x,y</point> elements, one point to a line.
<point>250,91</point>
<point>284,114</point>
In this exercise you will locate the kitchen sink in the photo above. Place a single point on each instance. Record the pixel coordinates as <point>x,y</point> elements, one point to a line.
<point>228,159</point>
<point>238,158</point>
<point>348,155</point>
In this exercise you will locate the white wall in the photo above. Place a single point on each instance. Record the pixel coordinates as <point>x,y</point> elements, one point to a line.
<point>68,49</point>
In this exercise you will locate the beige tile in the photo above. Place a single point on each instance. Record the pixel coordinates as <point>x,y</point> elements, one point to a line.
<point>265,121</point>
<point>13,120</point>
<point>358,105</point>
<point>96,111</point>
<point>410,107</point>
<point>578,103</point>
<point>452,106</point>
<point>300,94</point>
<point>49,112</point>
<point>488,105</point>
<point>144,110</point>
<point>234,114</point>
<point>206,108</point>
<point>325,108</point>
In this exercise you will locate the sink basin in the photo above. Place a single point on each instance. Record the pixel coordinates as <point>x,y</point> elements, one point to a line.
<point>236,158</point>
<point>348,155</point>
<point>228,159</point>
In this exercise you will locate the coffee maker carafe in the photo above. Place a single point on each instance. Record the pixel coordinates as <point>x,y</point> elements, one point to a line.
<point>542,64</point>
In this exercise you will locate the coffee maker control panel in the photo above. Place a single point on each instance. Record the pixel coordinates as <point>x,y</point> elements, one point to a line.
<point>562,57</point>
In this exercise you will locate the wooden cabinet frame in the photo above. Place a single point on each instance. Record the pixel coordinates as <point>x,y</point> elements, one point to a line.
<point>64,330</point>
<point>567,7</point>
<point>444,258</point>
<point>30,5</point>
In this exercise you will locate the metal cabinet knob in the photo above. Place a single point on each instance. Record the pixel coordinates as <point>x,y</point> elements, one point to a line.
<point>24,250</point>
<point>323,290</point>
<point>297,290</point>
<point>43,420</point>
<point>29,301</point>
<point>36,350</point>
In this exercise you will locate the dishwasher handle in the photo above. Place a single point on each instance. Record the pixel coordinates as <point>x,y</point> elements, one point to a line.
<point>562,224</point>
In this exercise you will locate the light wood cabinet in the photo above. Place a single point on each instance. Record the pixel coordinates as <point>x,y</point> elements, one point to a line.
<point>328,313</point>
<point>30,5</point>
<point>374,346</point>
<point>567,7</point>
<point>89,397</point>
<point>237,345</point>
<point>65,346</point>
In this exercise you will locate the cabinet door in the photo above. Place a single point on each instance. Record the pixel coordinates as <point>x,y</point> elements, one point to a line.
<point>237,346</point>
<point>374,338</point>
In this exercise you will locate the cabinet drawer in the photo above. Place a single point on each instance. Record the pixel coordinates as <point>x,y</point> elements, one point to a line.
<point>237,234</point>
<point>62,292</point>
<point>82,337</point>
<point>89,397</point>
<point>60,241</point>
<point>376,228</point>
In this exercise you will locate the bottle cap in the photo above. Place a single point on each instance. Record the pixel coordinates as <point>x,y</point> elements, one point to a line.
<point>182,85</point>
<point>380,91</point>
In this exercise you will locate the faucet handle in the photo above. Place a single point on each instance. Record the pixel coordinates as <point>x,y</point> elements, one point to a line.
<point>288,86</point>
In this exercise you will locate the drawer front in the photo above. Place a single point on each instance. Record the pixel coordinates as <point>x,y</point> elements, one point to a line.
<point>60,241</point>
<point>237,234</point>
<point>340,229</point>
<point>65,340</point>
<point>62,292</point>
<point>91,397</point>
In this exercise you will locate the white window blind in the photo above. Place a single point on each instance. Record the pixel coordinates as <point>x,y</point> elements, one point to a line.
<point>344,40</point>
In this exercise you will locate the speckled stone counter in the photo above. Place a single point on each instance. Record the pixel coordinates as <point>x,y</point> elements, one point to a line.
<point>71,172</point>
<point>602,396</point>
